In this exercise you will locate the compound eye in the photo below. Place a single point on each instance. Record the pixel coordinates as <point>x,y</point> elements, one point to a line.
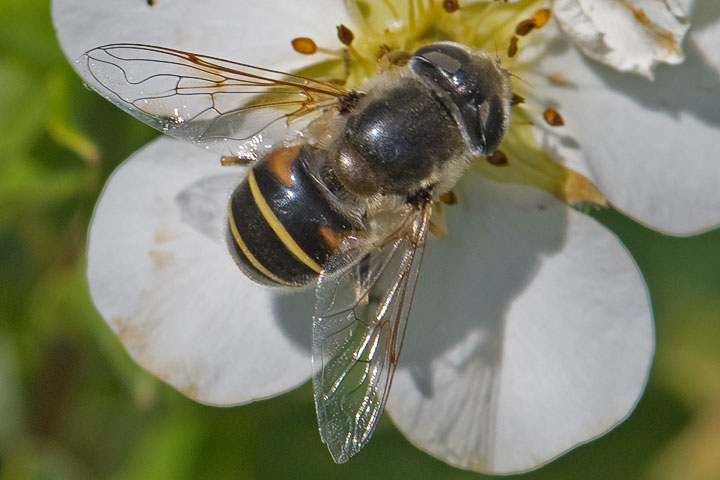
<point>446,59</point>
<point>473,88</point>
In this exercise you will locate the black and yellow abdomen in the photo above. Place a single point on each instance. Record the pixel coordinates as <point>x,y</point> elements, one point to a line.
<point>282,227</point>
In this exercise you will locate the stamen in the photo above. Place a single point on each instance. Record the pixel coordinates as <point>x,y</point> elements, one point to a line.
<point>392,28</point>
<point>304,45</point>
<point>513,48</point>
<point>449,198</point>
<point>232,160</point>
<point>553,117</point>
<point>498,159</point>
<point>525,27</point>
<point>558,78</point>
<point>541,17</point>
<point>451,6</point>
<point>538,20</point>
<point>345,35</point>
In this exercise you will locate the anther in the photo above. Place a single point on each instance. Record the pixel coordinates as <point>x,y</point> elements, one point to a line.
<point>449,198</point>
<point>345,35</point>
<point>558,78</point>
<point>516,99</point>
<point>525,27</point>
<point>513,48</point>
<point>498,159</point>
<point>553,117</point>
<point>451,6</point>
<point>541,17</point>
<point>304,45</point>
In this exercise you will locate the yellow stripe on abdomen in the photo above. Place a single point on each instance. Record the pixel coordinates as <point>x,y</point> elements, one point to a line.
<point>277,227</point>
<point>251,258</point>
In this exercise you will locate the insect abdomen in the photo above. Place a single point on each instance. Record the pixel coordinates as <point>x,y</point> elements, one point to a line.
<point>282,228</point>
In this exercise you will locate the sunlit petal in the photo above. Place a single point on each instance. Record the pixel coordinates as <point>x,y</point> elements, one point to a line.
<point>632,35</point>
<point>162,277</point>
<point>252,31</point>
<point>531,332</point>
<point>650,147</point>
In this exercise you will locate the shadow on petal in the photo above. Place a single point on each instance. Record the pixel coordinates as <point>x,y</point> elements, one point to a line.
<point>531,334</point>
<point>294,314</point>
<point>199,205</point>
<point>446,392</point>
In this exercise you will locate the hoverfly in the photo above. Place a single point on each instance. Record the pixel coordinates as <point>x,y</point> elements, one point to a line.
<point>339,189</point>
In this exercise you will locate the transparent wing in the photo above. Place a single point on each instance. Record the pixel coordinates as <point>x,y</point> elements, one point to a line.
<point>358,330</point>
<point>226,107</point>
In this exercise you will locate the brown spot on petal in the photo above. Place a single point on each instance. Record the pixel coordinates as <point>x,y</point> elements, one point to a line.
<point>517,99</point>
<point>451,6</point>
<point>498,159</point>
<point>663,35</point>
<point>553,117</point>
<point>190,391</point>
<point>541,17</point>
<point>161,260</point>
<point>513,47</point>
<point>164,236</point>
<point>304,45</point>
<point>126,331</point>
<point>345,35</point>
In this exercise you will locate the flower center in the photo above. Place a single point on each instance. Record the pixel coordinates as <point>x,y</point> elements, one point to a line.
<point>386,32</point>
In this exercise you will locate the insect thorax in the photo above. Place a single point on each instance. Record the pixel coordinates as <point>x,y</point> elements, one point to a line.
<point>398,140</point>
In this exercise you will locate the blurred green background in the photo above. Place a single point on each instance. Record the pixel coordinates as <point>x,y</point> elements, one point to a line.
<point>72,405</point>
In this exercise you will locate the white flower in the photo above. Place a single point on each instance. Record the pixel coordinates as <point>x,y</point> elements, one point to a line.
<point>531,330</point>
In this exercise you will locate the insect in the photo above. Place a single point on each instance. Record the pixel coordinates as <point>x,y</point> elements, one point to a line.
<point>339,189</point>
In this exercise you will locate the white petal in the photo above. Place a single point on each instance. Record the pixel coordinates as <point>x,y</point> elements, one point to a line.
<point>651,147</point>
<point>258,32</point>
<point>630,36</point>
<point>162,277</point>
<point>531,333</point>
